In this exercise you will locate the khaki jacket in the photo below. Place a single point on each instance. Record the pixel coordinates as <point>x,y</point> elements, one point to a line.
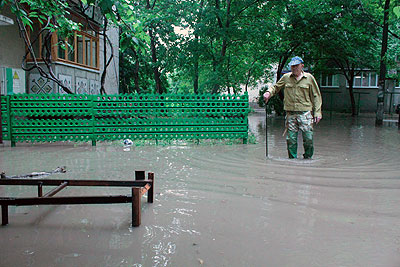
<point>302,95</point>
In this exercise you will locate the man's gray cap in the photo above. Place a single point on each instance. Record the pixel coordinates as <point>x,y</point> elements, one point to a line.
<point>295,61</point>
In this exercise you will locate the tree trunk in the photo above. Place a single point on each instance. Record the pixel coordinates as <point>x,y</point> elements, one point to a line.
<point>247,80</point>
<point>279,74</point>
<point>350,81</point>
<point>224,46</point>
<point>103,75</point>
<point>196,68</point>
<point>136,71</point>
<point>136,77</point>
<point>352,100</point>
<point>196,76</point>
<point>281,65</point>
<point>382,68</point>
<point>156,71</point>
<point>123,85</point>
<point>157,75</point>
<point>196,54</point>
<point>227,77</point>
<point>216,85</point>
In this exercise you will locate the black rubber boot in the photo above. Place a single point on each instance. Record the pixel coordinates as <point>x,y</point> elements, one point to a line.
<point>308,144</point>
<point>291,140</point>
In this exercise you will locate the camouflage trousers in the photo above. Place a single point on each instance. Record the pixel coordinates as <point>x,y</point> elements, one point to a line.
<point>295,121</point>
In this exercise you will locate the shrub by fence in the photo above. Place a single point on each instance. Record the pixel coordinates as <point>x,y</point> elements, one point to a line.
<point>54,117</point>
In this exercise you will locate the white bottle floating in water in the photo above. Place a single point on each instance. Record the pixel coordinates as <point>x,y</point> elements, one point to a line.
<point>128,142</point>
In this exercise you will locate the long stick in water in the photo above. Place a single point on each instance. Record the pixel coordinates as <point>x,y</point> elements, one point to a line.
<point>266,132</point>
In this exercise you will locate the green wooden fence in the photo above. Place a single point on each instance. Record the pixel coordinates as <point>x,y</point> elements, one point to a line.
<point>53,117</point>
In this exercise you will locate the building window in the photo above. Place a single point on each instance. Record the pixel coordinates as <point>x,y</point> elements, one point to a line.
<point>365,80</point>
<point>81,49</point>
<point>329,80</point>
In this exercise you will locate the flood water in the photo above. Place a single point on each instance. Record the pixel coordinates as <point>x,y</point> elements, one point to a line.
<point>218,204</point>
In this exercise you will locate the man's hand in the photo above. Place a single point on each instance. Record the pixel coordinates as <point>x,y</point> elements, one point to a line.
<point>317,119</point>
<point>266,96</point>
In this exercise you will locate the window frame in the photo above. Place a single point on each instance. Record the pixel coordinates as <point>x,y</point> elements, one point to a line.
<point>361,77</point>
<point>55,49</point>
<point>334,79</point>
<point>92,39</point>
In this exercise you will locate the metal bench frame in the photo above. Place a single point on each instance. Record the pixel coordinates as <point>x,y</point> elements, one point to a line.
<point>139,187</point>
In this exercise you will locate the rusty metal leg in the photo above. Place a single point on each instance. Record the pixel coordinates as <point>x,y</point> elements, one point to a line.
<point>136,216</point>
<point>140,175</point>
<point>4,214</point>
<point>150,193</point>
<point>40,190</point>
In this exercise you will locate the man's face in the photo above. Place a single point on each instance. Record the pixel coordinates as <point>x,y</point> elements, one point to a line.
<point>297,69</point>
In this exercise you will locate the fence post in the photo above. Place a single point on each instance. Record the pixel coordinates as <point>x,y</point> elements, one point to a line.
<point>92,111</point>
<point>1,122</point>
<point>1,118</point>
<point>9,122</point>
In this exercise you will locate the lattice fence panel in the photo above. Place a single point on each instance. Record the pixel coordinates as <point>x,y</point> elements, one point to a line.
<point>52,117</point>
<point>5,117</point>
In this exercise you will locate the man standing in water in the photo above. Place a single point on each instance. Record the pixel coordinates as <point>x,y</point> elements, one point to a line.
<point>302,103</point>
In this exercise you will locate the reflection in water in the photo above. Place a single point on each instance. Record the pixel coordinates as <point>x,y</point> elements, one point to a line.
<point>219,205</point>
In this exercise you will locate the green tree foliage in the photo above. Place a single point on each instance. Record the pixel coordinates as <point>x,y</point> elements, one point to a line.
<point>347,44</point>
<point>375,12</point>
<point>226,46</point>
<point>149,43</point>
